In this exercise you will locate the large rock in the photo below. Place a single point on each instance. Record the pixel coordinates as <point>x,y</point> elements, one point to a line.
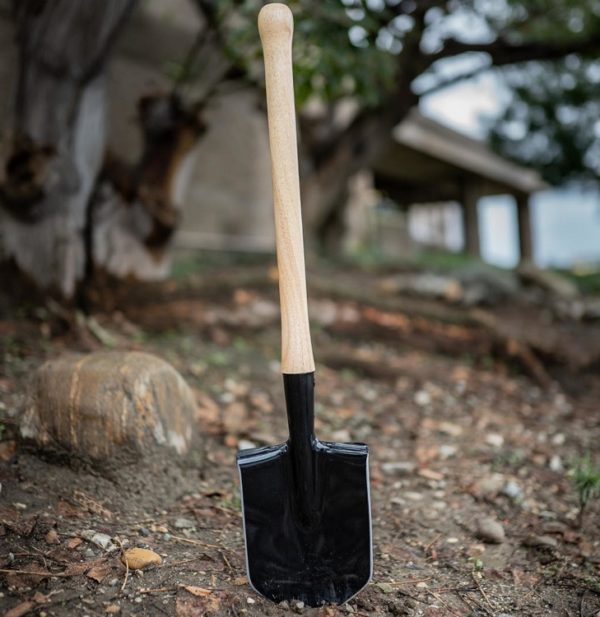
<point>104,404</point>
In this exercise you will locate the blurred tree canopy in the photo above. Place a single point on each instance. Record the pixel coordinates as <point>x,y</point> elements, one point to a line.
<point>383,55</point>
<point>360,66</point>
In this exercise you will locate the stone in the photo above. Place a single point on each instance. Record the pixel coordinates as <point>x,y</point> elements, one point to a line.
<point>489,530</point>
<point>422,398</point>
<point>512,490</point>
<point>489,486</point>
<point>52,537</point>
<point>398,468</point>
<point>140,558</point>
<point>245,444</point>
<point>540,542</point>
<point>494,439</point>
<point>556,464</point>
<point>184,523</point>
<point>101,540</point>
<point>106,403</point>
<point>143,531</point>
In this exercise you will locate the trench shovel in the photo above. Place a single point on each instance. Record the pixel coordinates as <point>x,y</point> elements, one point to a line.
<point>306,508</point>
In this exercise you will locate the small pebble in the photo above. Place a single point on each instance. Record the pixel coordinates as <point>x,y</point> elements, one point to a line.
<point>399,468</point>
<point>540,542</point>
<point>245,444</point>
<point>166,537</point>
<point>489,530</point>
<point>52,537</point>
<point>19,506</point>
<point>299,605</point>
<point>556,464</point>
<point>113,582</point>
<point>250,600</point>
<point>447,451</point>
<point>342,435</point>
<point>184,523</point>
<point>144,532</point>
<point>494,439</point>
<point>512,490</point>
<point>558,439</point>
<point>422,398</point>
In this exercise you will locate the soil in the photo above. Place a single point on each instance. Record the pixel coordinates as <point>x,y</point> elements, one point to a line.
<point>458,430</point>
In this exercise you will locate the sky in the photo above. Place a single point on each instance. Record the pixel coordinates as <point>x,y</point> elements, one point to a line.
<point>566,222</point>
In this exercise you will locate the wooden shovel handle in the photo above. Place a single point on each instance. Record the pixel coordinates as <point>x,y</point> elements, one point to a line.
<point>276,27</point>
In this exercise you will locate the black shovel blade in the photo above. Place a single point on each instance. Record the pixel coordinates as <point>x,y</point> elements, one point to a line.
<point>318,551</point>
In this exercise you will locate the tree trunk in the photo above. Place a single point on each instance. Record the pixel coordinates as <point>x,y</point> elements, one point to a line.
<point>325,186</point>
<point>59,137</point>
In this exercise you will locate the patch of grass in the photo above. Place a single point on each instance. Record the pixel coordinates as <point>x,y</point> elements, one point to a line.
<point>446,260</point>
<point>232,503</point>
<point>586,480</point>
<point>587,282</point>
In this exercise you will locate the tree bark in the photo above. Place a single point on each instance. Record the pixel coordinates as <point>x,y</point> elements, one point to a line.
<point>59,136</point>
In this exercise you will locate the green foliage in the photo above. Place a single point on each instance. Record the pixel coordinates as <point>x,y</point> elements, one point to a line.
<point>552,121</point>
<point>587,282</point>
<point>586,479</point>
<point>357,49</point>
<point>335,49</point>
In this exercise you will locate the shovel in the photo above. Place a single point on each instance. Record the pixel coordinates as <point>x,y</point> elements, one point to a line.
<point>306,508</point>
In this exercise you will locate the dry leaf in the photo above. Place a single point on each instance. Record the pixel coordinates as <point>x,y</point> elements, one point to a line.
<point>7,450</point>
<point>193,606</point>
<point>100,571</point>
<point>40,598</point>
<point>240,580</point>
<point>52,537</point>
<point>77,569</point>
<point>74,543</point>
<point>92,505</point>
<point>197,591</point>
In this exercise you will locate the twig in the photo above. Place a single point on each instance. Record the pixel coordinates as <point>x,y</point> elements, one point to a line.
<point>226,561</point>
<point>430,545</point>
<point>118,541</point>
<point>195,542</point>
<point>443,603</point>
<point>156,589</point>
<point>34,573</point>
<point>482,592</point>
<point>411,581</point>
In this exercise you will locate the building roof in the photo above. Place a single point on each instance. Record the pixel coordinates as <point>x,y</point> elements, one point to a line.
<point>427,161</point>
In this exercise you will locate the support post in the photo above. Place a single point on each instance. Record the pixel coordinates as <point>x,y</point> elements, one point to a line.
<point>524,228</point>
<point>471,219</point>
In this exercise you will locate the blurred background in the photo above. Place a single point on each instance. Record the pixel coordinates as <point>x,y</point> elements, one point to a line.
<point>135,131</point>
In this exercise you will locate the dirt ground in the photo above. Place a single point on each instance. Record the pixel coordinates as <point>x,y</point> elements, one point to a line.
<point>459,431</point>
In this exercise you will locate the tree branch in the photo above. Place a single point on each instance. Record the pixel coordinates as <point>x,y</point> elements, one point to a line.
<point>503,52</point>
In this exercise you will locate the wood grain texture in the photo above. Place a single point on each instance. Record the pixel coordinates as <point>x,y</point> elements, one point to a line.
<point>276,27</point>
